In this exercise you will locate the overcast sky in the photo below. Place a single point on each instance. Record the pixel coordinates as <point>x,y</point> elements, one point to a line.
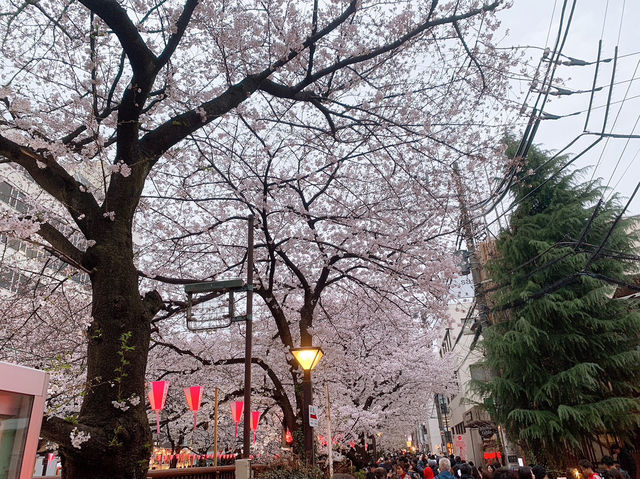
<point>618,160</point>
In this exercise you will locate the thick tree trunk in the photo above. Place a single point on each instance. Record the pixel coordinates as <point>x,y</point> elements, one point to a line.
<point>118,345</point>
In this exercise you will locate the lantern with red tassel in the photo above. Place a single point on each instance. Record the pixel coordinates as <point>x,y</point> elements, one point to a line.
<point>194,398</point>
<point>255,418</point>
<point>236,413</point>
<point>157,398</point>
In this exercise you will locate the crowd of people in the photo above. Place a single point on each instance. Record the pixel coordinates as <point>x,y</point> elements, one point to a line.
<point>619,465</point>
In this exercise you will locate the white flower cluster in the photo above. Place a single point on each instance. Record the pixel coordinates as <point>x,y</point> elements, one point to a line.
<point>78,438</point>
<point>134,400</point>
<point>202,113</point>
<point>17,227</point>
<point>122,405</point>
<point>120,167</point>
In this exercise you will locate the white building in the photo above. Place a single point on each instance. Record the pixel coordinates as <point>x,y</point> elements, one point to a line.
<point>464,428</point>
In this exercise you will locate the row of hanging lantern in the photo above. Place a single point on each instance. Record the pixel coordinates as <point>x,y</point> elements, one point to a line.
<point>193,395</point>
<point>237,408</point>
<point>165,458</point>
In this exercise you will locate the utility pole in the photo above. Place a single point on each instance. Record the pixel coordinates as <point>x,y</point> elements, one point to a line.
<point>246,433</point>
<point>468,233</point>
<point>329,436</point>
<point>215,432</point>
<point>480,294</point>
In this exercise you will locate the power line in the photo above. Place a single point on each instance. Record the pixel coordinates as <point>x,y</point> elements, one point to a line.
<point>624,173</point>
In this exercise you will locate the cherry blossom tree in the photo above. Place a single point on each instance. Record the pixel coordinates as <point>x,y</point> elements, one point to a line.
<point>136,119</point>
<point>345,255</point>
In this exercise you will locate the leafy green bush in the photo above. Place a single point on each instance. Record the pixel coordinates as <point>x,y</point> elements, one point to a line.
<point>360,474</point>
<point>290,469</point>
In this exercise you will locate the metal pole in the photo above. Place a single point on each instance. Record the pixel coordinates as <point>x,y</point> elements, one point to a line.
<point>215,432</point>
<point>375,448</point>
<point>330,440</point>
<point>469,236</point>
<point>246,436</point>
<point>307,393</point>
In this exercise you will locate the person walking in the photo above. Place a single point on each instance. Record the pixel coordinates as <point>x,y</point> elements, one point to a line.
<point>445,469</point>
<point>625,459</point>
<point>587,470</point>
<point>428,473</point>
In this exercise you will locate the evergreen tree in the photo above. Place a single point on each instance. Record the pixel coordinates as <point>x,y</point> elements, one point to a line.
<point>564,354</point>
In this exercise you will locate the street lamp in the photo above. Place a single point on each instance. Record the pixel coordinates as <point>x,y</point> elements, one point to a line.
<point>308,358</point>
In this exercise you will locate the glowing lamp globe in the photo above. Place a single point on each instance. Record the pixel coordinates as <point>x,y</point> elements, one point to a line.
<point>308,357</point>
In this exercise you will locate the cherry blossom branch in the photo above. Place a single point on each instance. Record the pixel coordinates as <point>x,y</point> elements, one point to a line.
<point>115,16</point>
<point>55,180</point>
<point>174,39</point>
<point>395,44</point>
<point>179,127</point>
<point>62,247</point>
<point>471,55</point>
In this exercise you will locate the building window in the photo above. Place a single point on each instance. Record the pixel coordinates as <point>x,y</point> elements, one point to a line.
<point>13,197</point>
<point>11,280</point>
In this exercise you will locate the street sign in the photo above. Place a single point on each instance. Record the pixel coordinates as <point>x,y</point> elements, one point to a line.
<point>486,432</point>
<point>313,416</point>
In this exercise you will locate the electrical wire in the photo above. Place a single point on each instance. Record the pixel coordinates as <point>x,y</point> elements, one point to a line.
<point>624,174</point>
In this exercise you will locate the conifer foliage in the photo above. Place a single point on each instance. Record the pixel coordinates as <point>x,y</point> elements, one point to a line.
<point>564,354</point>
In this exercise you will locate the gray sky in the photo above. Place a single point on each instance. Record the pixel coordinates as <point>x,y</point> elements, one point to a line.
<point>528,23</point>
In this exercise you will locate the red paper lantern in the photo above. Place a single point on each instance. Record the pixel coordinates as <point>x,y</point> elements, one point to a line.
<point>157,398</point>
<point>288,437</point>
<point>236,413</point>
<point>194,398</point>
<point>255,419</point>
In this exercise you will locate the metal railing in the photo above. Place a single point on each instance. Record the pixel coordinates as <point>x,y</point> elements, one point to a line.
<point>220,472</point>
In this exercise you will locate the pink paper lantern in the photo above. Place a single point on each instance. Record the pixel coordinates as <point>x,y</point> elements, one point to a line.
<point>236,413</point>
<point>255,419</point>
<point>157,398</point>
<point>194,398</point>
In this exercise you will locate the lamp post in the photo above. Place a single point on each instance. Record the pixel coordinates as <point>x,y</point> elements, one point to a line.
<point>230,286</point>
<point>308,358</point>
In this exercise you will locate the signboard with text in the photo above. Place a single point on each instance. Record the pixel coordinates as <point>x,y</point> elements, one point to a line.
<point>313,416</point>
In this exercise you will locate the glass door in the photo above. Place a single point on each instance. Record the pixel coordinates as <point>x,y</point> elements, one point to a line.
<point>15,414</point>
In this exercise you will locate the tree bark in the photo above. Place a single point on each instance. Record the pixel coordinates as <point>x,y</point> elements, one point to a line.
<point>118,343</point>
